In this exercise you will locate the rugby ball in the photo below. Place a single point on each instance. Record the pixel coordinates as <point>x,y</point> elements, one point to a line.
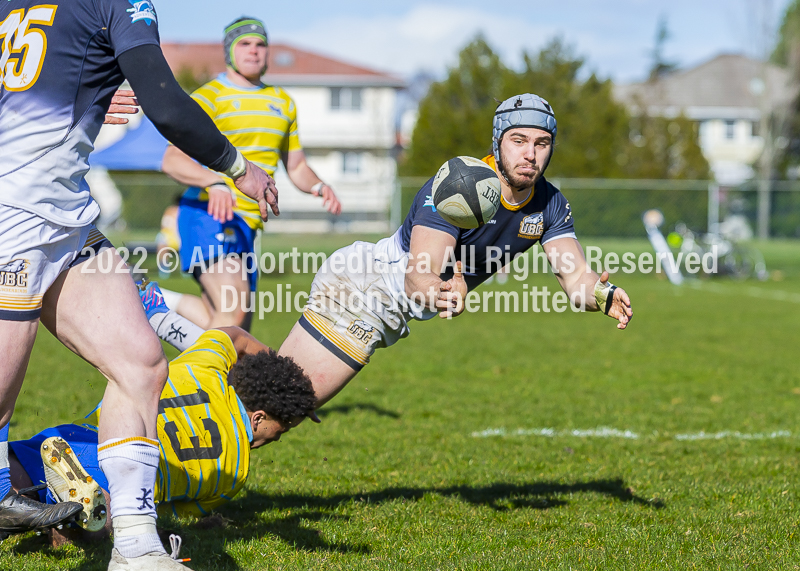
<point>466,192</point>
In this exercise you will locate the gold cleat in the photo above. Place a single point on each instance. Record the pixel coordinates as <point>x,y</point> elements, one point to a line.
<point>68,481</point>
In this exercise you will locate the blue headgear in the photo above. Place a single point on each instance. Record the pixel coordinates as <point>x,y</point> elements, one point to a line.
<point>526,110</point>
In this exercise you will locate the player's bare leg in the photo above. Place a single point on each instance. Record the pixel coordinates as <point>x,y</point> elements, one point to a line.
<point>193,308</point>
<point>226,274</point>
<point>98,315</point>
<point>327,372</point>
<point>19,514</point>
<point>16,342</point>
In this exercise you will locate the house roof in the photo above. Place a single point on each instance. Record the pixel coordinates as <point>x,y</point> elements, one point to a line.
<point>288,66</point>
<point>727,86</point>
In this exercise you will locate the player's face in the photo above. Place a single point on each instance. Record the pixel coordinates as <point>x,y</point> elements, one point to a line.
<point>251,57</point>
<point>525,153</point>
<point>267,429</point>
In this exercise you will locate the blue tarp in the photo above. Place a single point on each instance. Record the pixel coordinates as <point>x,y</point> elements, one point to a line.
<point>141,149</point>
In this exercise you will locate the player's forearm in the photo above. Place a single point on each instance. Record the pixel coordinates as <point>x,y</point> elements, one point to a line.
<point>243,342</point>
<point>423,288</point>
<point>182,169</point>
<point>301,175</point>
<point>580,289</point>
<point>176,115</point>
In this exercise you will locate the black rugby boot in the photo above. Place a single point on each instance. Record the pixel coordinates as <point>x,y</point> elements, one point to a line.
<point>19,513</point>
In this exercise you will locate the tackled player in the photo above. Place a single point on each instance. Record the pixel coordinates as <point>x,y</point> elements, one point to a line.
<point>226,395</point>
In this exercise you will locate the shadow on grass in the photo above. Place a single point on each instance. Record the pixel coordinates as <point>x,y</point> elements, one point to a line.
<point>499,496</point>
<point>348,408</point>
<point>250,519</point>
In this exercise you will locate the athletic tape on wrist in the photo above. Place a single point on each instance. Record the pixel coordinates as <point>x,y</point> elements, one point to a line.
<point>316,190</point>
<point>239,167</point>
<point>604,295</point>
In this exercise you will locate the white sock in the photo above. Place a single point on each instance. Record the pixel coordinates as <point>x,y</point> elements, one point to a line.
<point>171,298</point>
<point>176,330</point>
<point>130,466</point>
<point>136,535</point>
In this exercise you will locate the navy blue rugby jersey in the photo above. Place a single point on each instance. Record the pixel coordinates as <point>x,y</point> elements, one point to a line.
<point>58,72</point>
<point>545,215</point>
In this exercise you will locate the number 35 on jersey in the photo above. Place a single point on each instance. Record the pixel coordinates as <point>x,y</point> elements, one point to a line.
<point>24,46</point>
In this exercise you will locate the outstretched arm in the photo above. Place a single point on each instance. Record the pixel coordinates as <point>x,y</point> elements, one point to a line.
<point>429,250</point>
<point>243,342</point>
<point>583,286</point>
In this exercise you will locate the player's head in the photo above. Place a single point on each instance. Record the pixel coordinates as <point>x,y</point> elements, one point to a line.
<point>276,392</point>
<point>529,115</point>
<point>246,47</point>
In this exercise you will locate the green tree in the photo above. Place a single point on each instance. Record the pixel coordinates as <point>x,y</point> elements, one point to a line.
<point>660,65</point>
<point>455,116</point>
<point>597,137</point>
<point>788,35</point>
<point>592,128</point>
<point>664,148</point>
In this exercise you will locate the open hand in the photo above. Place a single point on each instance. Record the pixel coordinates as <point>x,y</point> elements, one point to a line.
<point>221,202</point>
<point>452,294</point>
<point>259,186</point>
<point>329,200</point>
<point>621,309</point>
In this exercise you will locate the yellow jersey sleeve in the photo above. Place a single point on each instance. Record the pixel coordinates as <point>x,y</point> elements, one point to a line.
<point>292,142</point>
<point>204,444</point>
<point>261,122</point>
<point>206,97</point>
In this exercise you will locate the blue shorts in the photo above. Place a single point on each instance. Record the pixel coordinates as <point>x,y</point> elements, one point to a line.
<point>205,240</point>
<point>83,442</point>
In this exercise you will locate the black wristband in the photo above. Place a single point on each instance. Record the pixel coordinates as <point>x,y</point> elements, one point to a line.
<point>610,298</point>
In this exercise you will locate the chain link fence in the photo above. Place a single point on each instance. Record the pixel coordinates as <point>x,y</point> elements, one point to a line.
<point>602,207</point>
<point>613,207</point>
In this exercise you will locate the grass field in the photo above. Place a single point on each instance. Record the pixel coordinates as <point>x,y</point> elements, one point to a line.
<point>515,441</point>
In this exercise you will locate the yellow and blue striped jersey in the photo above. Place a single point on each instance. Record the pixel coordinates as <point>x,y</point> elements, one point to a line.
<point>203,431</point>
<point>259,121</point>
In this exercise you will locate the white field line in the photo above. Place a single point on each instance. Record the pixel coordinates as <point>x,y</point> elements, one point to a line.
<point>752,291</point>
<point>606,432</point>
<point>736,435</point>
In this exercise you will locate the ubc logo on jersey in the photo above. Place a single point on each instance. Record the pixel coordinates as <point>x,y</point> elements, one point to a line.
<point>532,226</point>
<point>361,330</point>
<point>13,274</point>
<point>569,213</point>
<point>429,202</point>
<point>142,10</point>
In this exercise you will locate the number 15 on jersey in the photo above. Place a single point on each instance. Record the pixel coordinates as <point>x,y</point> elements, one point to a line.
<point>23,47</point>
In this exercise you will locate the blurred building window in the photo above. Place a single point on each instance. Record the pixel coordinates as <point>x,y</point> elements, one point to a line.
<point>755,129</point>
<point>346,98</point>
<point>729,129</point>
<point>284,59</point>
<point>351,163</point>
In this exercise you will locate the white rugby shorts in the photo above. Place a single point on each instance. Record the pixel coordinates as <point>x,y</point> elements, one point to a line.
<point>33,253</point>
<point>351,306</point>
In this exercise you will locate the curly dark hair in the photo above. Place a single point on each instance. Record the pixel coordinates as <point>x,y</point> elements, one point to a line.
<point>272,383</point>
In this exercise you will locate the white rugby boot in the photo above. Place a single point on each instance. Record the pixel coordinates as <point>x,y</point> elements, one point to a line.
<point>69,482</point>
